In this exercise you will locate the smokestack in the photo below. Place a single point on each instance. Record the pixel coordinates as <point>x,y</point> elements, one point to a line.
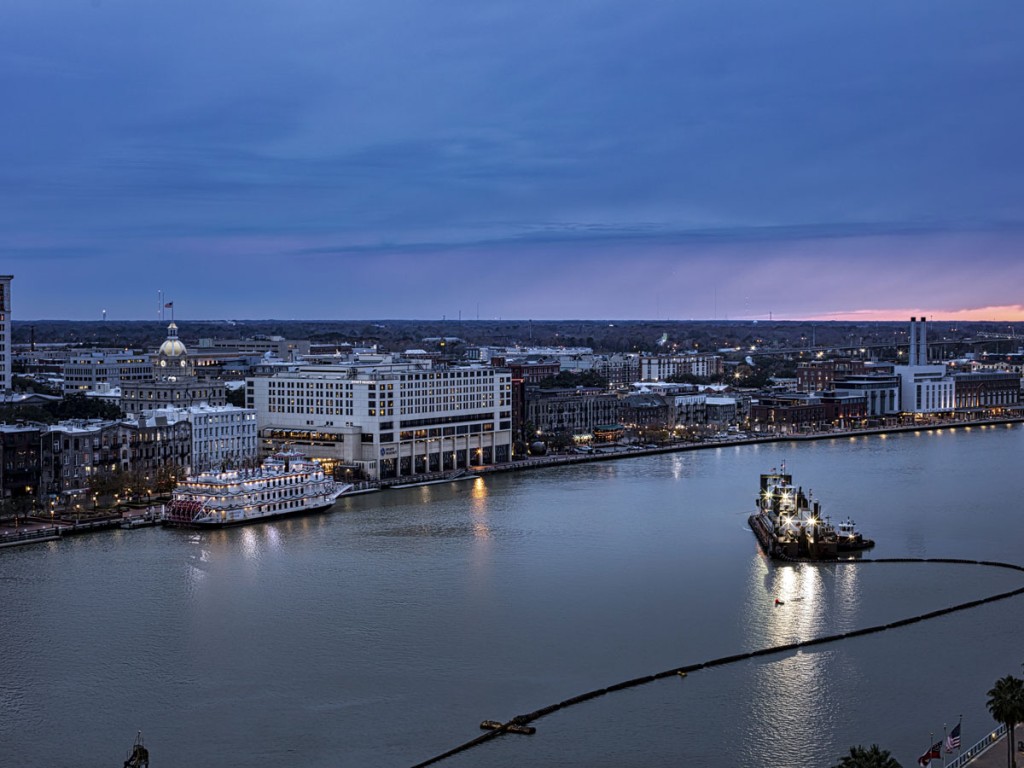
<point>922,340</point>
<point>912,352</point>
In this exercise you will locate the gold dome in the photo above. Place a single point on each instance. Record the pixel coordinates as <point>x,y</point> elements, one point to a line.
<point>172,347</point>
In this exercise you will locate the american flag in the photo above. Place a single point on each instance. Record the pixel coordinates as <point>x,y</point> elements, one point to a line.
<point>953,740</point>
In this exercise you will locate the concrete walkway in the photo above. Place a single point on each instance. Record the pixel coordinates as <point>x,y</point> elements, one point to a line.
<point>995,756</point>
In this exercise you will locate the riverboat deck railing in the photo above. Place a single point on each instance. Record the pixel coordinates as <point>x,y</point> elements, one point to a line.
<point>982,746</point>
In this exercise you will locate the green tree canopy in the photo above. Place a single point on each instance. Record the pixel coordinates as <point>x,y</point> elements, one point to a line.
<point>867,757</point>
<point>1006,705</point>
<point>574,379</point>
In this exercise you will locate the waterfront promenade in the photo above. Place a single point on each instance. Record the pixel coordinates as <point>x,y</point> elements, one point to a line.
<point>37,530</point>
<point>618,452</point>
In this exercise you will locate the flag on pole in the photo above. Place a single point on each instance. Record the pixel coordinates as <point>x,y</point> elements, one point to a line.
<point>169,305</point>
<point>933,753</point>
<point>953,740</point>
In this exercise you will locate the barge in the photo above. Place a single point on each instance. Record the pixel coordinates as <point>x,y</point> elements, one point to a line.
<point>789,524</point>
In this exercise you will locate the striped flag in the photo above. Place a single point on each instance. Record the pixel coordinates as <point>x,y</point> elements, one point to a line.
<point>953,740</point>
<point>932,754</point>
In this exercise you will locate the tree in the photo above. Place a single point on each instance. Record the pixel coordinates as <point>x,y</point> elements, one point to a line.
<point>1006,705</point>
<point>686,378</point>
<point>236,397</point>
<point>574,379</point>
<point>78,406</point>
<point>869,757</point>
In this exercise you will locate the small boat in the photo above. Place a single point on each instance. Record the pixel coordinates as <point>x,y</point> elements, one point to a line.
<point>850,539</point>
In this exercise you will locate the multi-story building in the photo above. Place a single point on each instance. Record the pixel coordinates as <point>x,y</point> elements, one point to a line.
<point>289,350</point>
<point>925,389</point>
<point>820,375</point>
<point>844,408</point>
<point>526,373</point>
<point>646,409</point>
<point>87,370</point>
<point>1012,362</point>
<point>788,411</point>
<point>721,410</point>
<point>691,410</point>
<point>6,347</point>
<point>620,369</point>
<point>576,411</point>
<point>221,434</point>
<point>984,390</point>
<point>150,444</point>
<point>20,460</point>
<point>73,451</point>
<point>172,382</point>
<point>663,367</point>
<point>388,420</point>
<point>881,392</point>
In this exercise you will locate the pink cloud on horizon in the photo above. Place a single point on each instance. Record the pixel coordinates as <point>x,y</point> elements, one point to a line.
<point>1000,313</point>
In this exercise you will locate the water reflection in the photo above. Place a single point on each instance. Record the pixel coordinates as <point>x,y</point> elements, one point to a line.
<point>572,577</point>
<point>478,497</point>
<point>250,546</point>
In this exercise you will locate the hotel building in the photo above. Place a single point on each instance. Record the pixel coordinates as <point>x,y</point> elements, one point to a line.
<point>389,419</point>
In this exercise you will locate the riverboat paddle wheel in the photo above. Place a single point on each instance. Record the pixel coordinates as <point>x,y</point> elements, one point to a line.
<point>183,512</point>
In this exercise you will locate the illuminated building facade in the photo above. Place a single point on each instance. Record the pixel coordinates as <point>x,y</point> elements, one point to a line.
<point>663,367</point>
<point>222,435</point>
<point>388,421</point>
<point>172,381</point>
<point>87,371</point>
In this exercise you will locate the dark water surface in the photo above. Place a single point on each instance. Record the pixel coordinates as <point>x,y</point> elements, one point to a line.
<point>383,633</point>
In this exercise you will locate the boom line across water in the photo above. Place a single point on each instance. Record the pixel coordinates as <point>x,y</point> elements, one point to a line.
<point>520,720</point>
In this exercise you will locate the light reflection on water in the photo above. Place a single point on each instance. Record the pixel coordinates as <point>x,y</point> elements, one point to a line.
<point>435,607</point>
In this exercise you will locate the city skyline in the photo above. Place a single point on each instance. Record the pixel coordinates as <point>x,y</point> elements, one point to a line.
<point>718,161</point>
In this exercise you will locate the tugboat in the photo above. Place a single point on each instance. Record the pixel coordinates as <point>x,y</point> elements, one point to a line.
<point>850,539</point>
<point>789,524</point>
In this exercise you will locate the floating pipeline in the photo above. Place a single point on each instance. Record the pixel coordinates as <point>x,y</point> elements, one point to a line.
<point>510,727</point>
<point>523,720</point>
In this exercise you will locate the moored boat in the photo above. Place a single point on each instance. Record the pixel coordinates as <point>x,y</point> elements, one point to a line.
<point>286,484</point>
<point>789,524</point>
<point>850,539</point>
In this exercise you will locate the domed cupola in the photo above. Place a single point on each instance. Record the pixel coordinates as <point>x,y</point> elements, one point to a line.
<point>172,347</point>
<point>172,359</point>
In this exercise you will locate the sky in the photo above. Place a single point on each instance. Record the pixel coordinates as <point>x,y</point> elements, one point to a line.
<point>316,159</point>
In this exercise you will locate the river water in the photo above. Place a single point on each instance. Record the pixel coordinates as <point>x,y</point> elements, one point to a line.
<point>384,632</point>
